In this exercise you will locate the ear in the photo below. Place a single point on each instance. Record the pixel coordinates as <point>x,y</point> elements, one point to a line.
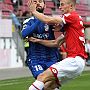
<point>71,6</point>
<point>44,6</point>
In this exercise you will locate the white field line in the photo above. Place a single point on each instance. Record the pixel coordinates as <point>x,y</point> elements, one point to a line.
<point>14,82</point>
<point>8,83</point>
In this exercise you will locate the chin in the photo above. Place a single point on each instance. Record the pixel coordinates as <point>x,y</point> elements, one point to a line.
<point>40,10</point>
<point>62,13</point>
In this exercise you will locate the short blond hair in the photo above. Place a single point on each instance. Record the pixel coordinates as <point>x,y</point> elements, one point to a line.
<point>72,1</point>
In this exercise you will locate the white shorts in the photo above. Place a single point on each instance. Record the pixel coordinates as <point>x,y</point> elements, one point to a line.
<point>69,68</point>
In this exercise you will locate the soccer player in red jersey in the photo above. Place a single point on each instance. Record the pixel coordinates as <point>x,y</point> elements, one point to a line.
<point>74,37</point>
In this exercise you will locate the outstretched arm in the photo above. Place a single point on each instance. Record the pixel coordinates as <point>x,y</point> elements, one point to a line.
<point>42,17</point>
<point>29,29</point>
<point>48,43</point>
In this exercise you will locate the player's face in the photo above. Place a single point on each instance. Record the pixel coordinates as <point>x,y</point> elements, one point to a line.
<point>40,5</point>
<point>65,6</point>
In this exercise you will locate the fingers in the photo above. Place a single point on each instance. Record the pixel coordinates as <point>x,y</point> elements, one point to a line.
<point>32,39</point>
<point>31,6</point>
<point>30,2</point>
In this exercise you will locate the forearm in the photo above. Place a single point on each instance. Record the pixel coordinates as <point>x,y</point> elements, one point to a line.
<point>51,43</point>
<point>48,43</point>
<point>47,19</point>
<point>41,17</point>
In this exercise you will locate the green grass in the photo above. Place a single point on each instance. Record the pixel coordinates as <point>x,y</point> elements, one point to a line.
<point>16,84</point>
<point>80,83</point>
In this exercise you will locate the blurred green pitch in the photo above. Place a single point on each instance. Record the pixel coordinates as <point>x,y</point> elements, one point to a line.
<point>80,83</point>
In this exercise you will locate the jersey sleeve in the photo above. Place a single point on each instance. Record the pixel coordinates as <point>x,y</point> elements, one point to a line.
<point>68,19</point>
<point>29,28</point>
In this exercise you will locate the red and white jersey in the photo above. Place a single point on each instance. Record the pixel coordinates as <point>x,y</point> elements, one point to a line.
<point>74,36</point>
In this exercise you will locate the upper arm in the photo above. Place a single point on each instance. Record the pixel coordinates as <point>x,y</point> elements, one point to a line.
<point>24,31</point>
<point>25,23</point>
<point>30,28</point>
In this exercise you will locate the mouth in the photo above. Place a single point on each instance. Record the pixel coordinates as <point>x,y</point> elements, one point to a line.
<point>39,7</point>
<point>62,11</point>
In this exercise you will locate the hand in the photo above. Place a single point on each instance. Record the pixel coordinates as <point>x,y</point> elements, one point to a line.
<point>31,6</point>
<point>32,39</point>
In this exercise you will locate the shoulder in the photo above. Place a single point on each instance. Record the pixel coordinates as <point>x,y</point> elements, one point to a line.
<point>70,17</point>
<point>72,14</point>
<point>28,20</point>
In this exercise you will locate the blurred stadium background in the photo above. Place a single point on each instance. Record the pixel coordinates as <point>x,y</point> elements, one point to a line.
<point>12,52</point>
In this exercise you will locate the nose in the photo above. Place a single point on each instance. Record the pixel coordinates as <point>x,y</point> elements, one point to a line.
<point>37,2</point>
<point>60,7</point>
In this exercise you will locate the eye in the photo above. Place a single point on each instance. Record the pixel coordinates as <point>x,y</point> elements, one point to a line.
<point>61,4</point>
<point>40,1</point>
<point>35,1</point>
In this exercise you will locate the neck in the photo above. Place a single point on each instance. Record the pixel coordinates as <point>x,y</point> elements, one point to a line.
<point>71,10</point>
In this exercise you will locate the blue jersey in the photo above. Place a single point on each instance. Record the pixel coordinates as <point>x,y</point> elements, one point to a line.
<point>39,54</point>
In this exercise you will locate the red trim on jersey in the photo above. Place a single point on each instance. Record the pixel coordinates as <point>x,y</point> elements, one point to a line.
<point>55,72</point>
<point>35,87</point>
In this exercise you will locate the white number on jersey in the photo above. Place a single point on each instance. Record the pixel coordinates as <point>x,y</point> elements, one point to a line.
<point>82,38</point>
<point>38,67</point>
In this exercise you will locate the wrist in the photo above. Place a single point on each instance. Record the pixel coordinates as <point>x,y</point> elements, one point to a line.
<point>34,12</point>
<point>38,40</point>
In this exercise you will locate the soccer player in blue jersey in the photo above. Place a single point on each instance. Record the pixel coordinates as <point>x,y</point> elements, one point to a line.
<point>39,57</point>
